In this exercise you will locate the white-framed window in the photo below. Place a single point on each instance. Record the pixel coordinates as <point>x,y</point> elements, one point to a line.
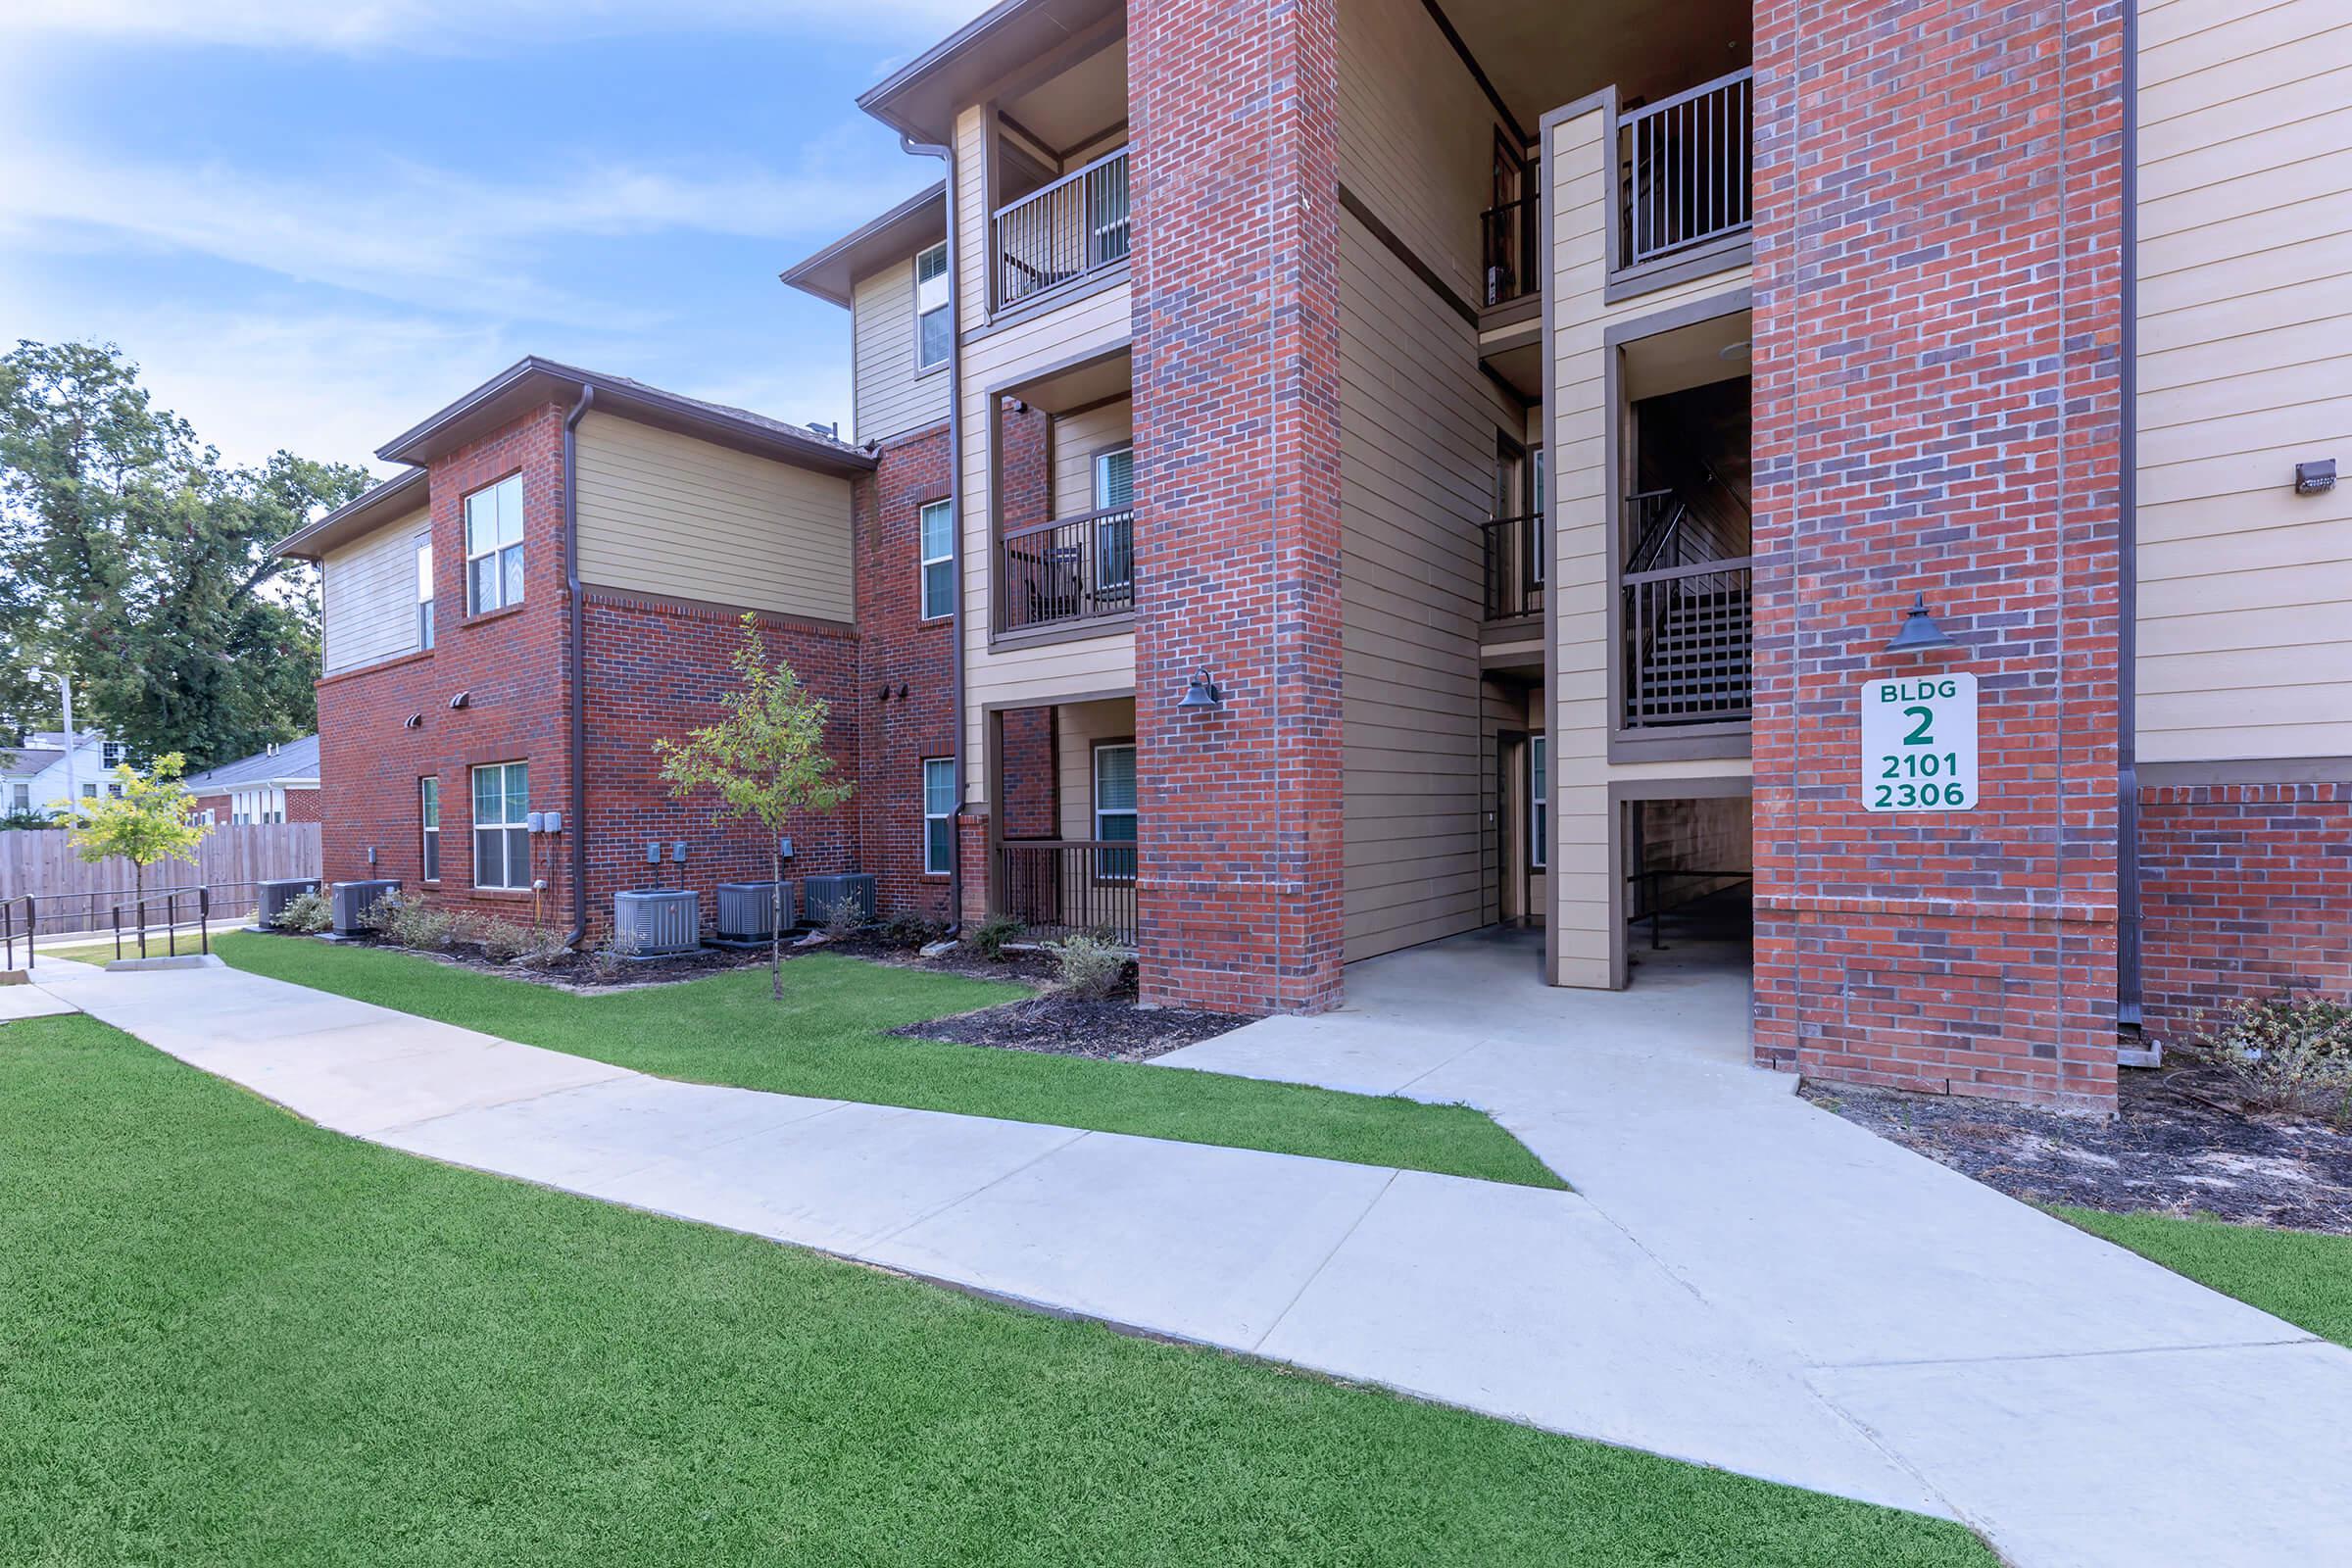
<point>257,806</point>
<point>1114,537</point>
<point>939,816</point>
<point>20,798</point>
<point>502,843</point>
<point>934,322</point>
<point>114,753</point>
<point>1115,811</point>
<point>1539,800</point>
<point>89,792</point>
<point>207,815</point>
<point>428,825</point>
<point>937,522</point>
<point>494,546</point>
<point>424,590</point>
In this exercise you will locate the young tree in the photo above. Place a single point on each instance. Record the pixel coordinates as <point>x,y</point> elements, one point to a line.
<point>767,760</point>
<point>153,819</point>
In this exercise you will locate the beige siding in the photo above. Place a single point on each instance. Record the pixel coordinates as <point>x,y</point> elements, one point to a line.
<point>1077,729</point>
<point>1416,135</point>
<point>891,399</point>
<point>2245,367</point>
<point>368,597</point>
<point>1583,869</point>
<point>1046,673</point>
<point>1077,437</point>
<point>665,514</point>
<point>1417,435</point>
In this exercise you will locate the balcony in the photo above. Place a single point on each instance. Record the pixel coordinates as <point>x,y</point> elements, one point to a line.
<point>1514,563</point>
<point>1066,572</point>
<point>1511,244</point>
<point>1685,613</point>
<point>1067,887</point>
<point>1063,233</point>
<point>1686,171</point>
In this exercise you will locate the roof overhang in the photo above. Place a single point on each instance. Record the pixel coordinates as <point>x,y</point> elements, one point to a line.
<point>919,222</point>
<point>1000,54</point>
<point>394,499</point>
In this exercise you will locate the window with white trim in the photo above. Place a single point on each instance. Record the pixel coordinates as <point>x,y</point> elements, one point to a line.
<point>424,590</point>
<point>20,798</point>
<point>1114,537</point>
<point>1539,800</point>
<point>938,526</point>
<point>494,546</point>
<point>502,841</point>
<point>934,322</point>
<point>1115,811</point>
<point>939,816</point>
<point>428,825</point>
<point>260,804</point>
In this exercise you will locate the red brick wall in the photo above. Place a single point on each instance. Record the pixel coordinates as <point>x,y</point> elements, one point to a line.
<point>2242,894</point>
<point>1937,408</point>
<point>510,663</point>
<point>1234,111</point>
<point>218,805</point>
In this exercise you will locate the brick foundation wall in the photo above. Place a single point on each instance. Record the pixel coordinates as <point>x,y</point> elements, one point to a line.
<point>1937,318</point>
<point>1235,112</point>
<point>2242,896</point>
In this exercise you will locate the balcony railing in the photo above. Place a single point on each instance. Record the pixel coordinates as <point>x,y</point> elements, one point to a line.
<point>1075,570</point>
<point>1514,551</point>
<point>1072,228</point>
<point>1689,652</point>
<point>1067,886</point>
<point>1509,238</point>
<point>1686,165</point>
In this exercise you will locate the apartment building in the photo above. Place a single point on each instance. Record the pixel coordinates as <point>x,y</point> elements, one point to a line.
<point>1412,466</point>
<point>280,783</point>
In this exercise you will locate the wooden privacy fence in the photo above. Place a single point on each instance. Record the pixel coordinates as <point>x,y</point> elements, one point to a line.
<point>72,894</point>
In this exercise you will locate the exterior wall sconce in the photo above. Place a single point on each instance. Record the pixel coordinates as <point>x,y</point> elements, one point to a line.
<point>412,721</point>
<point>461,700</point>
<point>2315,479</point>
<point>1919,632</point>
<point>1202,696</point>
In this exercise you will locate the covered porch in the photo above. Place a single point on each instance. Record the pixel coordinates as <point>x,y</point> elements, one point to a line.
<point>1061,845</point>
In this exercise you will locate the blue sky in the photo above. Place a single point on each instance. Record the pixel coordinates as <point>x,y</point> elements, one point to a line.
<point>314,221</point>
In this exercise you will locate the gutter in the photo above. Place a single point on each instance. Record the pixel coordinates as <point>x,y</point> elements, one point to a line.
<point>577,655</point>
<point>947,155</point>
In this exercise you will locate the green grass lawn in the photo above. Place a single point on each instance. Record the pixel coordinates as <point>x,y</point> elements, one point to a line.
<point>827,1038</point>
<point>227,1337</point>
<point>2302,1276</point>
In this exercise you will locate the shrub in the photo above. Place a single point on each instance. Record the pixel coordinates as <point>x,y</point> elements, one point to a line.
<point>1089,966</point>
<point>502,940</point>
<point>2288,1053</point>
<point>609,957</point>
<point>307,913</point>
<point>910,930</point>
<point>413,924</point>
<point>845,917</point>
<point>992,936</point>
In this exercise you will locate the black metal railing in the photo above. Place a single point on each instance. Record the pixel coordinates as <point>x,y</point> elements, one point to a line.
<point>1652,903</point>
<point>1056,235</point>
<point>1067,887</point>
<point>1686,165</point>
<point>1514,560</point>
<point>1688,645</point>
<point>1509,238</point>
<point>91,912</point>
<point>17,920</point>
<point>159,919</point>
<point>1076,568</point>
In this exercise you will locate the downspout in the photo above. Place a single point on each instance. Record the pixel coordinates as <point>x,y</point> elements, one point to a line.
<point>579,657</point>
<point>947,155</point>
<point>2128,973</point>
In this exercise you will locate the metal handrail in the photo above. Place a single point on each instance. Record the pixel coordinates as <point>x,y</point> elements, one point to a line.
<point>171,922</point>
<point>1068,885</point>
<point>1510,239</point>
<point>1688,164</point>
<point>1062,232</point>
<point>1068,569</point>
<point>1509,542</point>
<point>1696,568</point>
<point>1047,527</point>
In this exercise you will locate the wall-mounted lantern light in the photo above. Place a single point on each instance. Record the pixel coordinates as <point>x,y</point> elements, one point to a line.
<point>461,700</point>
<point>1202,695</point>
<point>412,721</point>
<point>1919,632</point>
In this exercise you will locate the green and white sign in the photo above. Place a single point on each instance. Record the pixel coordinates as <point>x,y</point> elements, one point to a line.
<point>1918,744</point>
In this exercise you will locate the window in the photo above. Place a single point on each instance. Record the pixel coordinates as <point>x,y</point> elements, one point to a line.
<point>114,753</point>
<point>207,819</point>
<point>257,806</point>
<point>424,591</point>
<point>1115,811</point>
<point>1114,537</point>
<point>939,564</point>
<point>494,546</point>
<point>939,816</point>
<point>20,798</point>
<point>428,825</point>
<point>934,322</point>
<point>1539,801</point>
<point>502,844</point>
<point>89,792</point>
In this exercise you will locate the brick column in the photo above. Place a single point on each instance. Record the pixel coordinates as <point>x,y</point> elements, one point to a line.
<point>1235,114</point>
<point>1939,308</point>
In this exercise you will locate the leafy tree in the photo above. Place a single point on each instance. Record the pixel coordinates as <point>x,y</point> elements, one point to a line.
<point>153,819</point>
<point>133,558</point>
<point>767,760</point>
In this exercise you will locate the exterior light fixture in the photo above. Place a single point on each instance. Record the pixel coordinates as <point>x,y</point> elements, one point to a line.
<point>1919,632</point>
<point>1736,350</point>
<point>1202,695</point>
<point>461,700</point>
<point>412,721</point>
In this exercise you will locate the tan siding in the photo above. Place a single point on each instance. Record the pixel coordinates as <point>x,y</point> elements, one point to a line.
<point>368,597</point>
<point>1077,728</point>
<point>892,398</point>
<point>2245,305</point>
<point>1582,872</point>
<point>1077,437</point>
<point>1416,135</point>
<point>1054,671</point>
<point>665,514</point>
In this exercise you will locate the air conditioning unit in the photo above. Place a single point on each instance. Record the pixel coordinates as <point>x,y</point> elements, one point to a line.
<point>353,901</point>
<point>824,892</point>
<point>747,910</point>
<point>275,895</point>
<point>655,922</point>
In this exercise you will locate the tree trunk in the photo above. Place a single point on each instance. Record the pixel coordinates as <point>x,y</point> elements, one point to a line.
<point>775,927</point>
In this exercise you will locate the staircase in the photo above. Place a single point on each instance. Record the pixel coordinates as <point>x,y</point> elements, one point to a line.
<point>1698,664</point>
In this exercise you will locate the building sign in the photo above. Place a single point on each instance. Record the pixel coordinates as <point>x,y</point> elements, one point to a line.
<point>1918,744</point>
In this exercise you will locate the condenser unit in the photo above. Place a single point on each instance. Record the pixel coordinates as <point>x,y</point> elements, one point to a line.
<point>353,901</point>
<point>275,895</point>
<point>824,892</point>
<point>748,910</point>
<point>657,922</point>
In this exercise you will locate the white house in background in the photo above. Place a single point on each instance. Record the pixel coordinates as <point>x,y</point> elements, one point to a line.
<point>276,784</point>
<point>33,775</point>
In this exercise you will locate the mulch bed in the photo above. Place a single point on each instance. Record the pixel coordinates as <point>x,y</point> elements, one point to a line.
<point>1114,1030</point>
<point>2180,1144</point>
